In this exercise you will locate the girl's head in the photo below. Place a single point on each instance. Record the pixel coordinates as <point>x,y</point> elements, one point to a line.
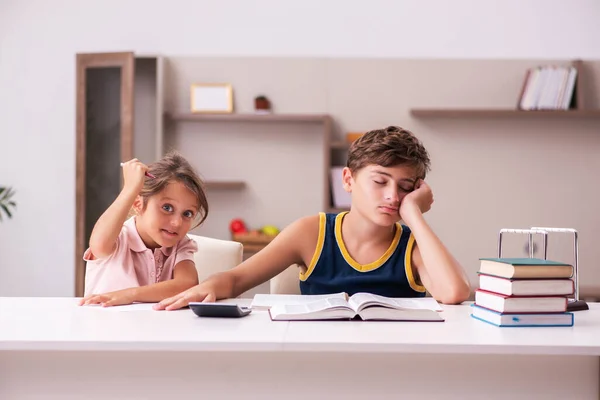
<point>171,204</point>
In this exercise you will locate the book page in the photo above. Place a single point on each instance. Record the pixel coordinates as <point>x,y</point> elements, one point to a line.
<point>308,308</point>
<point>266,301</point>
<point>361,300</point>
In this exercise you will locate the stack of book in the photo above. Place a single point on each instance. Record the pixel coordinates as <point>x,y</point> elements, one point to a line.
<point>523,292</point>
<point>548,87</point>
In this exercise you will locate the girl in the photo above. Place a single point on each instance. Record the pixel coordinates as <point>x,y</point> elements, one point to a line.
<point>147,257</point>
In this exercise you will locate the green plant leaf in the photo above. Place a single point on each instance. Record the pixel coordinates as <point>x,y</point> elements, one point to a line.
<point>6,203</point>
<point>6,210</point>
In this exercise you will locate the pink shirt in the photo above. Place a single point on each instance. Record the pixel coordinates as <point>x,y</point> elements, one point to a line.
<point>132,264</point>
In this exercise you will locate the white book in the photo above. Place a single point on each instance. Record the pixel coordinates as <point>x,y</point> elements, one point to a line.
<point>570,89</point>
<point>365,306</point>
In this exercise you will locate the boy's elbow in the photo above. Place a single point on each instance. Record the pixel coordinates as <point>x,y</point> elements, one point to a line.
<point>456,295</point>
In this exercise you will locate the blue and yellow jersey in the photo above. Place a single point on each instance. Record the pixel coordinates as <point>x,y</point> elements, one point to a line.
<point>332,269</point>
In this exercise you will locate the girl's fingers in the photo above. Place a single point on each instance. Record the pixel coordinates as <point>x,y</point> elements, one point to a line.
<point>109,302</point>
<point>96,299</point>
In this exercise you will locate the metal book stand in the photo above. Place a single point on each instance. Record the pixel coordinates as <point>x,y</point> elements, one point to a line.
<point>574,304</point>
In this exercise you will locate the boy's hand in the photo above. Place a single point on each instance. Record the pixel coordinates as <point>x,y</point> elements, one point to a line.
<point>196,294</point>
<point>117,298</point>
<point>419,200</point>
<point>134,175</point>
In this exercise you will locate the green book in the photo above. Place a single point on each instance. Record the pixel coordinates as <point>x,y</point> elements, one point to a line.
<point>525,268</point>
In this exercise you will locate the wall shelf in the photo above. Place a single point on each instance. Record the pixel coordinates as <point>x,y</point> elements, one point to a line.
<point>324,121</point>
<point>191,117</point>
<point>501,113</point>
<point>225,185</point>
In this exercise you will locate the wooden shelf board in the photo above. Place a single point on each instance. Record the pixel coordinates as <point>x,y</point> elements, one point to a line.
<point>192,117</point>
<point>224,184</point>
<point>501,113</point>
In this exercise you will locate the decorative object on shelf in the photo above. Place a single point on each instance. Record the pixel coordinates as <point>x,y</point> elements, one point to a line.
<point>6,202</point>
<point>253,241</point>
<point>237,226</point>
<point>262,105</point>
<point>575,304</point>
<point>352,136</point>
<point>211,98</point>
<point>270,230</point>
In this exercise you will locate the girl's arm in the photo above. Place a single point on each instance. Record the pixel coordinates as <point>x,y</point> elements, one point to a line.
<point>184,277</point>
<point>103,239</point>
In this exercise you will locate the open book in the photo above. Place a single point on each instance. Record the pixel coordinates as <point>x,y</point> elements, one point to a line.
<point>365,306</point>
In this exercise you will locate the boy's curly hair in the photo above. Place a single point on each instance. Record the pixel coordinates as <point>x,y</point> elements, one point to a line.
<point>389,147</point>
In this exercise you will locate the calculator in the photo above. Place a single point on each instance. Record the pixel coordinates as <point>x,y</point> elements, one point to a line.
<point>219,310</point>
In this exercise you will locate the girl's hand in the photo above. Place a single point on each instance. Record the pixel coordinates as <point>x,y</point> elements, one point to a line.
<point>419,200</point>
<point>196,294</point>
<point>134,175</point>
<point>117,298</point>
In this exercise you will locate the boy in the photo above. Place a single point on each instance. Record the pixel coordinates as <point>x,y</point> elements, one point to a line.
<point>365,249</point>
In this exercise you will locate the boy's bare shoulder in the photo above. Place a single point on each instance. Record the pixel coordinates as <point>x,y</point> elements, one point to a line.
<point>305,225</point>
<point>301,236</point>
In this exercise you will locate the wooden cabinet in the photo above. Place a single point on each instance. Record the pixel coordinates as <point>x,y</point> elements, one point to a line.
<point>119,116</point>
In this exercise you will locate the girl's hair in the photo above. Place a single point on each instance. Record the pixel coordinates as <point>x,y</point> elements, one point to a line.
<point>389,147</point>
<point>174,167</point>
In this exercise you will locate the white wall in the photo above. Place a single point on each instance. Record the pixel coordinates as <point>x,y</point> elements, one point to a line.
<point>39,39</point>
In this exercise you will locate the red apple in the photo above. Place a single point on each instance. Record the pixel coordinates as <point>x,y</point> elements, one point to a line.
<point>237,226</point>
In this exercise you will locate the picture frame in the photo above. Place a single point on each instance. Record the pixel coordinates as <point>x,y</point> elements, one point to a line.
<point>213,98</point>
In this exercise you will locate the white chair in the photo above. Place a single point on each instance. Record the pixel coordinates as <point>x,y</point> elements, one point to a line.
<point>287,282</point>
<point>215,255</point>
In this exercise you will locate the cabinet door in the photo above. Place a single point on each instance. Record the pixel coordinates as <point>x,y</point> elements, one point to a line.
<point>105,115</point>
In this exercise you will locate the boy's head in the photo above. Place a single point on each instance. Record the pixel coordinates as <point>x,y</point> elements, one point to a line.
<point>389,147</point>
<point>384,166</point>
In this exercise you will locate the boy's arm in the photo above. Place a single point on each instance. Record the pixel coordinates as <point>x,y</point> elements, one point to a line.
<point>438,270</point>
<point>295,244</point>
<point>184,277</point>
<point>103,239</point>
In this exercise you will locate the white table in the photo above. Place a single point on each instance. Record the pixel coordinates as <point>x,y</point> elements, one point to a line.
<point>52,349</point>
